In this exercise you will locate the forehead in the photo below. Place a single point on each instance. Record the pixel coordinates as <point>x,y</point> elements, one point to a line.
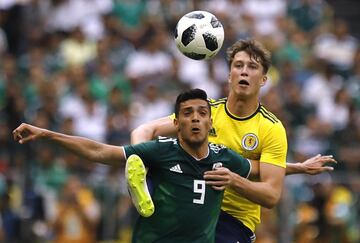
<point>194,103</point>
<point>244,57</point>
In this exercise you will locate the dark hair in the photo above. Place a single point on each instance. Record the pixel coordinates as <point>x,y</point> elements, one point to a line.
<point>190,95</point>
<point>254,49</point>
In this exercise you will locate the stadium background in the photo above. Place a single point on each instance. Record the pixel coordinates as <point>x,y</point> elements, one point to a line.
<point>99,68</point>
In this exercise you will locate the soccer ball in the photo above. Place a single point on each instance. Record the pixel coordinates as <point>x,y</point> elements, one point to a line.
<point>199,35</point>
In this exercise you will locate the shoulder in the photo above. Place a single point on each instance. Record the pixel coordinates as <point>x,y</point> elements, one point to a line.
<point>272,132</point>
<point>214,103</point>
<point>268,116</point>
<point>159,143</point>
<point>232,160</point>
<point>221,150</point>
<point>166,140</point>
<point>270,124</point>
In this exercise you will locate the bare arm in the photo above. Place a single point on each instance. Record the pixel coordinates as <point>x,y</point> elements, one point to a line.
<point>165,127</point>
<point>83,147</point>
<point>255,170</point>
<point>266,192</point>
<point>312,166</point>
<point>148,131</point>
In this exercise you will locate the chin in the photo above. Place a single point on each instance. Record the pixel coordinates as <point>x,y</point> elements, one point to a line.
<point>242,92</point>
<point>195,142</point>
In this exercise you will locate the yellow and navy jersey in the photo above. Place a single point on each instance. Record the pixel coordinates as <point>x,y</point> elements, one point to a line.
<point>260,136</point>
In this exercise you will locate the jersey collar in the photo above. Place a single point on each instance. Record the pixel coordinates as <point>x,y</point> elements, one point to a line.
<point>197,159</point>
<point>241,118</point>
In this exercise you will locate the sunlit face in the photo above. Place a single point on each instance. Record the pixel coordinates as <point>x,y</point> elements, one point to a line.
<point>193,122</point>
<point>246,75</point>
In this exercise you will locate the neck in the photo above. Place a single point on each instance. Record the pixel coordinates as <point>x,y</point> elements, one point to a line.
<point>198,151</point>
<point>241,107</point>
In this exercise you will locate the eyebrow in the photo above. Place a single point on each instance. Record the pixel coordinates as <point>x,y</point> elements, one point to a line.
<point>250,62</point>
<point>193,108</point>
<point>204,106</point>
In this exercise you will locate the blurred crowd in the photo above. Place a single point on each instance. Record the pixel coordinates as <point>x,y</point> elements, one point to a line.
<point>99,68</point>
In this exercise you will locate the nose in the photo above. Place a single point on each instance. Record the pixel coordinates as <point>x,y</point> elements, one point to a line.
<point>195,117</point>
<point>244,71</point>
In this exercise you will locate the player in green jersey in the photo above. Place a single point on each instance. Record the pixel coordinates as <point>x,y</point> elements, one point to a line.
<point>186,209</point>
<point>243,124</point>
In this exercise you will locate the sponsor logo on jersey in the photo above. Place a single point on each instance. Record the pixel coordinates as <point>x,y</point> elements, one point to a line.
<point>212,132</point>
<point>250,141</point>
<point>162,139</point>
<point>217,165</point>
<point>216,147</point>
<point>176,169</point>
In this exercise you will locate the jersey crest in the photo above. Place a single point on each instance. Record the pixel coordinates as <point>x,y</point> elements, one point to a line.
<point>250,141</point>
<point>217,165</point>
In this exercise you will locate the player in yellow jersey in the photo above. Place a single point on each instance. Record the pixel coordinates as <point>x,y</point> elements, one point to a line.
<point>240,122</point>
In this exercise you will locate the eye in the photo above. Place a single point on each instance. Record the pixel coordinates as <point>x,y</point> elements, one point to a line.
<point>203,112</point>
<point>253,66</point>
<point>238,65</point>
<point>187,113</point>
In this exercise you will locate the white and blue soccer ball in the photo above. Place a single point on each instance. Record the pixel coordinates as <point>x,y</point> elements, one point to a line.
<point>199,35</point>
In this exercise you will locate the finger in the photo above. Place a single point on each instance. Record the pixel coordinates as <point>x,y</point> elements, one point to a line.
<point>215,172</point>
<point>17,136</point>
<point>213,177</point>
<point>221,169</point>
<point>328,159</point>
<point>215,183</point>
<point>27,139</point>
<point>212,174</point>
<point>327,156</point>
<point>327,168</point>
<point>319,170</point>
<point>20,128</point>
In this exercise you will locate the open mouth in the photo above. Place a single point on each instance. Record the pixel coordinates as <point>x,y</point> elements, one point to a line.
<point>243,82</point>
<point>195,129</point>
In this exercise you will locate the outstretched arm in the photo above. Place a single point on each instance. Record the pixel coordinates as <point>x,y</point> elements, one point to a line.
<point>312,166</point>
<point>148,131</point>
<point>83,147</point>
<point>267,191</point>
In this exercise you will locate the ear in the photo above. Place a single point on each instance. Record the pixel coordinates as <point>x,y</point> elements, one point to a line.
<point>176,124</point>
<point>211,124</point>
<point>264,80</point>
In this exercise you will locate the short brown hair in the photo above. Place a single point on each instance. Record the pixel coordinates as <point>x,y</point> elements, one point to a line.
<point>254,49</point>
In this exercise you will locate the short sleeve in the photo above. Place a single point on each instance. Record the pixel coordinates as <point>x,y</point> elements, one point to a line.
<point>275,146</point>
<point>239,164</point>
<point>145,151</point>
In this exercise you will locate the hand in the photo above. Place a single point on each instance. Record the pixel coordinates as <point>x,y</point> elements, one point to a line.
<point>315,165</point>
<point>219,178</point>
<point>25,133</point>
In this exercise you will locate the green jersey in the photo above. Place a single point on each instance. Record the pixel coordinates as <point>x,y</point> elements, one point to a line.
<point>186,210</point>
